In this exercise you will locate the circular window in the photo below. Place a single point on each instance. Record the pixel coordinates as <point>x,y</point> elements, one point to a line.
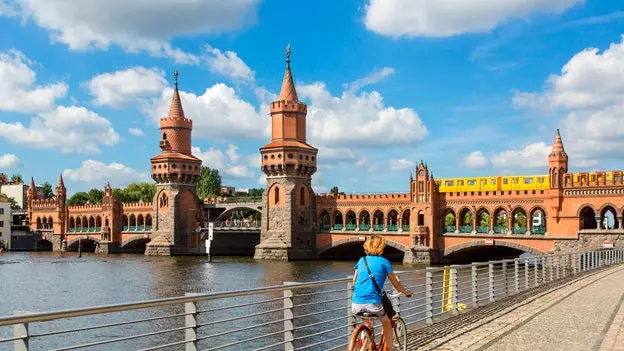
<point>266,157</point>
<point>291,155</point>
<point>272,157</point>
<point>174,166</point>
<point>279,155</point>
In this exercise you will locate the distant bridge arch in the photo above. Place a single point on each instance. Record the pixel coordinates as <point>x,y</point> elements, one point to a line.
<point>354,240</point>
<point>229,211</point>
<point>88,244</point>
<point>482,244</point>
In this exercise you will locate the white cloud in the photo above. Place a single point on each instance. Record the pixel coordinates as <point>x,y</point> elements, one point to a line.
<point>136,132</point>
<point>7,9</point>
<point>8,161</point>
<point>240,171</point>
<point>213,158</point>
<point>232,153</point>
<point>444,18</point>
<point>364,116</point>
<point>476,159</point>
<point>69,129</point>
<point>226,162</point>
<point>136,25</point>
<point>120,87</point>
<point>530,156</point>
<point>375,76</point>
<point>17,86</point>
<point>96,173</point>
<point>401,164</point>
<point>218,114</point>
<point>228,64</point>
<point>590,93</point>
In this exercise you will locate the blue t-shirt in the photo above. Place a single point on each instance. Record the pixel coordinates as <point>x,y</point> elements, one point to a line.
<point>364,291</point>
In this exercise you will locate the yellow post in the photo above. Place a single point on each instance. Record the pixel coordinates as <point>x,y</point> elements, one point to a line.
<point>447,291</point>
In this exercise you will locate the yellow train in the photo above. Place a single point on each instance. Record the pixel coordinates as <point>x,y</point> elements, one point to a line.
<point>501,183</point>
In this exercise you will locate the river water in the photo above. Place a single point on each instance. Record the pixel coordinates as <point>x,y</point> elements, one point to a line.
<point>37,282</point>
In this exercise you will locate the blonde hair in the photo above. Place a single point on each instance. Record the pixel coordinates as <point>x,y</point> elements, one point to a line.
<point>374,245</point>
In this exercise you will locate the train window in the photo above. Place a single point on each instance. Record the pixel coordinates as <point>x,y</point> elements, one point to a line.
<point>460,182</point>
<point>493,181</point>
<point>504,180</point>
<point>617,177</point>
<point>472,182</point>
<point>528,180</point>
<point>448,183</point>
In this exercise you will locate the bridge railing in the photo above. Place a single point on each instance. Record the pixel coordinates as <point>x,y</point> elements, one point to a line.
<point>234,200</point>
<point>292,316</point>
<point>232,224</point>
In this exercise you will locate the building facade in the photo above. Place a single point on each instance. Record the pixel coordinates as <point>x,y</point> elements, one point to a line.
<point>18,193</point>
<point>5,224</point>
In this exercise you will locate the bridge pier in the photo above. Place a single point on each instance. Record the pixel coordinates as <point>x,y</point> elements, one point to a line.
<point>107,247</point>
<point>422,255</point>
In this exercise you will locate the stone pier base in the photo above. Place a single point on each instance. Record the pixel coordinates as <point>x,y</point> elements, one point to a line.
<point>162,246</point>
<point>105,247</point>
<point>422,255</point>
<point>276,249</point>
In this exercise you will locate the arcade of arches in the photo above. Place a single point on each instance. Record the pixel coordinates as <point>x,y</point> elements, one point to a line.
<point>497,221</point>
<point>364,220</point>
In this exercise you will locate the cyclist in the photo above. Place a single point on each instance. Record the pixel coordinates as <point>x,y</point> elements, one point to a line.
<point>366,297</point>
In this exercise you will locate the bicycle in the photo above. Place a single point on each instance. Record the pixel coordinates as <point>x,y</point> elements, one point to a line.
<point>363,339</point>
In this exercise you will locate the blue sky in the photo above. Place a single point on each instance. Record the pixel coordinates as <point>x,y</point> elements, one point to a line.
<point>471,88</point>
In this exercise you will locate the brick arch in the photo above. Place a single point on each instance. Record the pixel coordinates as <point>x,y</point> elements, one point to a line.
<point>518,208</point>
<point>483,208</point>
<point>134,239</point>
<point>387,214</point>
<point>73,241</point>
<point>582,207</point>
<point>478,243</point>
<point>359,213</point>
<point>498,208</point>
<point>354,239</point>
<point>536,207</point>
<point>603,207</point>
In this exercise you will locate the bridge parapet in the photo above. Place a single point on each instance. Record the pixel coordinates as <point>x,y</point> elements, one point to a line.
<point>447,291</point>
<point>233,200</point>
<point>231,225</point>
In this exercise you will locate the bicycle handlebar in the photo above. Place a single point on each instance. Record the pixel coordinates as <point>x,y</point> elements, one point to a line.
<point>392,296</point>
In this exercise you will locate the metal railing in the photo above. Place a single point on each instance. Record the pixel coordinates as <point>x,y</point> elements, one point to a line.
<point>255,225</point>
<point>293,316</point>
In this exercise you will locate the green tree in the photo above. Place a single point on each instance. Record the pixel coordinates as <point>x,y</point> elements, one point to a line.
<point>256,192</point>
<point>209,182</point>
<point>143,191</point>
<point>334,190</point>
<point>501,219</point>
<point>48,193</point>
<point>95,196</point>
<point>468,219</point>
<point>17,178</point>
<point>449,220</point>
<point>520,220</point>
<point>5,198</point>
<point>78,199</point>
<point>485,220</point>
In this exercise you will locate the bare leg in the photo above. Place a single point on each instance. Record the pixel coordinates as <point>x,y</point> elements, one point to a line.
<point>387,333</point>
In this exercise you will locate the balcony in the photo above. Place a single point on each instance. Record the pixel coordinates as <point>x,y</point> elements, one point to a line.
<point>449,229</point>
<point>378,227</point>
<point>465,229</point>
<point>538,230</point>
<point>500,229</point>
<point>393,227</point>
<point>338,226</point>
<point>483,229</point>
<point>406,227</point>
<point>351,226</point>
<point>365,227</point>
<point>519,230</point>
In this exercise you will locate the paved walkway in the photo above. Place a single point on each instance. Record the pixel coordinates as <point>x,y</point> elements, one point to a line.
<point>574,314</point>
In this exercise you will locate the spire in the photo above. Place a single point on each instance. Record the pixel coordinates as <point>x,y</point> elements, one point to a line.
<point>176,111</point>
<point>557,148</point>
<point>32,183</point>
<point>60,184</point>
<point>288,92</point>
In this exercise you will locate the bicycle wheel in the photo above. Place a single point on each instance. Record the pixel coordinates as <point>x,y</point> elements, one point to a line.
<point>361,339</point>
<point>400,335</point>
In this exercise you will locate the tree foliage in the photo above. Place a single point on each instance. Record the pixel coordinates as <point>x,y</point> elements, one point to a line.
<point>48,193</point>
<point>334,190</point>
<point>16,178</point>
<point>253,192</point>
<point>134,192</point>
<point>209,183</point>
<point>5,197</point>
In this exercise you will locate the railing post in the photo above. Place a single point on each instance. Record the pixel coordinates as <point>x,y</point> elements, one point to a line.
<point>543,270</point>
<point>350,316</point>
<point>504,270</point>
<point>536,272</point>
<point>526,273</point>
<point>454,292</point>
<point>190,322</point>
<point>558,266</point>
<point>429,295</point>
<point>573,263</point>
<point>552,268</point>
<point>20,331</point>
<point>289,316</point>
<point>491,281</point>
<point>473,284</point>
<point>516,276</point>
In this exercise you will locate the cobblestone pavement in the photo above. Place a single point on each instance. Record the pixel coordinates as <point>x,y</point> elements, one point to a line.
<point>614,339</point>
<point>571,314</point>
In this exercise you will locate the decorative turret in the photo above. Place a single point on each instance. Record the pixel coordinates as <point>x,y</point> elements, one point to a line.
<point>288,153</point>
<point>557,162</point>
<point>176,163</point>
<point>61,191</point>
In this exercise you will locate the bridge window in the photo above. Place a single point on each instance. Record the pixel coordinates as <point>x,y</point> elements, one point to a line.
<point>302,196</point>
<point>164,136</point>
<point>276,196</point>
<point>421,186</point>
<point>421,218</point>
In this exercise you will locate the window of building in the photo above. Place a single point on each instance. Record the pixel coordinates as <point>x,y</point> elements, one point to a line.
<point>302,197</point>
<point>1,224</point>
<point>277,196</point>
<point>1,211</point>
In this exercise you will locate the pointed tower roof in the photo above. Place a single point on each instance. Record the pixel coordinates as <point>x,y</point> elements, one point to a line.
<point>557,148</point>
<point>288,92</point>
<point>32,183</point>
<point>175,110</point>
<point>60,184</point>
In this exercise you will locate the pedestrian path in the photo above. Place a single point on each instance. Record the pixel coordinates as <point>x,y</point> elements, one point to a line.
<point>575,314</point>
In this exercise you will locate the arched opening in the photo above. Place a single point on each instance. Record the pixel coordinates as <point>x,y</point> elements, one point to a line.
<point>50,223</point>
<point>405,220</point>
<point>135,246</point>
<point>338,220</point>
<point>449,221</point>
<point>132,222</point>
<point>148,222</point>
<point>72,224</point>
<point>91,222</point>
<point>421,218</point>
<point>351,220</point>
<point>125,222</point>
<point>276,196</point>
<point>365,221</point>
<point>538,221</point>
<point>483,221</point>
<point>608,218</point>
<point>378,221</point>
<point>302,196</point>
<point>140,221</point>
<point>39,223</point>
<point>501,221</point>
<point>98,223</point>
<point>85,222</point>
<point>44,245</point>
<point>465,221</point>
<point>519,219</point>
<point>587,218</point>
<point>87,245</point>
<point>324,223</point>
<point>164,137</point>
<point>352,251</point>
<point>393,221</point>
<point>42,224</point>
<point>78,224</point>
<point>482,253</point>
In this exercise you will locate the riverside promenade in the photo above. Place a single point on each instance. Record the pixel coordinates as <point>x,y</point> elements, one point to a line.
<point>579,313</point>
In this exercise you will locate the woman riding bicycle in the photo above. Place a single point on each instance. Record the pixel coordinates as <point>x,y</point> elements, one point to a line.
<point>366,297</point>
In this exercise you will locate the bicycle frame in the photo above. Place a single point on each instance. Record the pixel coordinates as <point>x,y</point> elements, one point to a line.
<point>382,340</point>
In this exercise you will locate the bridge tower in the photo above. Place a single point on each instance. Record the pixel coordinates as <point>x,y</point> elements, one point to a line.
<point>61,209</point>
<point>288,161</point>
<point>423,224</point>
<point>176,172</point>
<point>557,168</point>
<point>111,228</point>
